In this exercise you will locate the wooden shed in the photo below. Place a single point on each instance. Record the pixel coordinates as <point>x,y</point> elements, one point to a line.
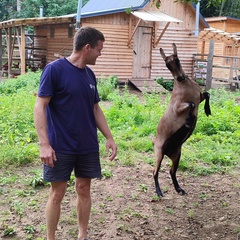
<point>133,37</point>
<point>225,31</point>
<point>226,24</point>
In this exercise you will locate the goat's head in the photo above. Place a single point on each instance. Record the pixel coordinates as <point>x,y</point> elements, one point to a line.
<point>173,64</point>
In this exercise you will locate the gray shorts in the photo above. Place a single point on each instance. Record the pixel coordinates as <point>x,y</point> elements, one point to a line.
<point>86,166</point>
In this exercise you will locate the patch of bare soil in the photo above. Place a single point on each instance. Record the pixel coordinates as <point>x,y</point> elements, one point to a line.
<point>124,207</point>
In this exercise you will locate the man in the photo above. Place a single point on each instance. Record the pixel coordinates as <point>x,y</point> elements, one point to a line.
<point>67,115</point>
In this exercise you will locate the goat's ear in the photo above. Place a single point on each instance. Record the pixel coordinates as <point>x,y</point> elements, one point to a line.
<point>162,53</point>
<point>174,49</point>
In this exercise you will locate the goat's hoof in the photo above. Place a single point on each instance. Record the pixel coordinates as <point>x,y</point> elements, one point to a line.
<point>181,192</point>
<point>159,194</point>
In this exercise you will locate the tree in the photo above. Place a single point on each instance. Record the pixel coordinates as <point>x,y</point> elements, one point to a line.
<point>214,3</point>
<point>31,8</point>
<point>226,8</point>
<point>8,9</point>
<point>231,8</point>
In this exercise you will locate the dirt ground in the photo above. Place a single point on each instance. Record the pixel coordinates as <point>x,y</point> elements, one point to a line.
<point>124,206</point>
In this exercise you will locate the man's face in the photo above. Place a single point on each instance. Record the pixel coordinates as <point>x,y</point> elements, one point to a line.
<point>94,53</point>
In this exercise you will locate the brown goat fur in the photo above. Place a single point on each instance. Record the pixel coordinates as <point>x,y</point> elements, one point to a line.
<point>179,119</point>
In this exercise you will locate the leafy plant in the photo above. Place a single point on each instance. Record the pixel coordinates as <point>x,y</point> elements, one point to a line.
<point>165,83</point>
<point>169,210</point>
<point>143,187</point>
<point>30,229</point>
<point>106,86</point>
<point>38,180</point>
<point>9,232</point>
<point>18,207</point>
<point>107,173</point>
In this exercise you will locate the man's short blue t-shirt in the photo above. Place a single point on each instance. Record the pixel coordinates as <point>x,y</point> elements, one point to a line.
<point>71,123</point>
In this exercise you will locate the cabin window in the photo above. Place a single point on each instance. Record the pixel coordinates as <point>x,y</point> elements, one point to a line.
<point>228,52</point>
<point>70,32</point>
<point>52,32</point>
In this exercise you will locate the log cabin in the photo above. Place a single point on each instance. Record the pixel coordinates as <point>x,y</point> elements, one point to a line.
<point>134,32</point>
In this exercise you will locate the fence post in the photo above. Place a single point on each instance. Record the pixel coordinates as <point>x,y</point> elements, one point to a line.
<point>1,49</point>
<point>209,65</point>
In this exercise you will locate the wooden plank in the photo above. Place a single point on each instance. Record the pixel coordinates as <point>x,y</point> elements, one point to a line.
<point>23,50</point>
<point>146,85</point>
<point>209,66</point>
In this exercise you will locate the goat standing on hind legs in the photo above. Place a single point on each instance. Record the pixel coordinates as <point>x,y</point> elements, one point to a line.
<point>179,119</point>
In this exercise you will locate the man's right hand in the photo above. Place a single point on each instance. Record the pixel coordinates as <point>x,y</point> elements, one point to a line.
<point>47,155</point>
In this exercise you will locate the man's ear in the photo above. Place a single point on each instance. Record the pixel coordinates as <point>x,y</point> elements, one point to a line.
<point>87,46</point>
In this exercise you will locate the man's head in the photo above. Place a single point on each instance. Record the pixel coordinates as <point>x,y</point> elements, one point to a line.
<point>87,35</point>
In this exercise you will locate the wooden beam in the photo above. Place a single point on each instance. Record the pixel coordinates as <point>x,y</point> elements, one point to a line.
<point>9,45</point>
<point>163,31</point>
<point>19,42</point>
<point>23,50</point>
<point>13,44</point>
<point>135,29</point>
<point>155,32</point>
<point>209,65</point>
<point>1,49</point>
<point>130,28</point>
<point>203,49</point>
<point>231,64</point>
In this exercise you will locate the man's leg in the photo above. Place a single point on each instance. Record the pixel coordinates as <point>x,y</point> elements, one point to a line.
<point>83,186</point>
<point>53,208</point>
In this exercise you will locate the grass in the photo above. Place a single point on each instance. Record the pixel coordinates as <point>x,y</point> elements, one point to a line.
<point>212,148</point>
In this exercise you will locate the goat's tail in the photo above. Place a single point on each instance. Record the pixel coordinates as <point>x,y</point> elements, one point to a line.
<point>207,105</point>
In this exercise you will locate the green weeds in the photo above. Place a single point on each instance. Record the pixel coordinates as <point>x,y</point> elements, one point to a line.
<point>18,137</point>
<point>212,148</point>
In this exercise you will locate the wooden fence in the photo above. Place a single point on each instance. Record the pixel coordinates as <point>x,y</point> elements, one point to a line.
<point>205,71</point>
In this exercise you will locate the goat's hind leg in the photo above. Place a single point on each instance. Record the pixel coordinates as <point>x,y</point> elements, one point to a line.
<point>157,186</point>
<point>175,162</point>
<point>190,118</point>
<point>159,157</point>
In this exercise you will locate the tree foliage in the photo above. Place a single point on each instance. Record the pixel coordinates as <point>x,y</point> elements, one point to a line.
<point>31,8</point>
<point>224,8</point>
<point>214,3</point>
<point>8,9</point>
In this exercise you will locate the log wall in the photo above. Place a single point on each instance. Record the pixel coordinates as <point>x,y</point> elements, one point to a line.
<point>117,56</point>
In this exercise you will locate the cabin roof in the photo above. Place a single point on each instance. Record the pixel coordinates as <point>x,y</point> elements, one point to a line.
<point>111,6</point>
<point>154,16</point>
<point>221,18</point>
<point>91,9</point>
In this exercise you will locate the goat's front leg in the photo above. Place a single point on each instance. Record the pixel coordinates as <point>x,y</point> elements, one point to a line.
<point>179,108</point>
<point>175,162</point>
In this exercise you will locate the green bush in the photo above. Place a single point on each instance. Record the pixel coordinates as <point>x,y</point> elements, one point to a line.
<point>29,81</point>
<point>106,86</point>
<point>168,85</point>
<point>18,136</point>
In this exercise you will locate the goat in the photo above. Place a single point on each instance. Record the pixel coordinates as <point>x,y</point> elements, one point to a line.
<point>179,119</point>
